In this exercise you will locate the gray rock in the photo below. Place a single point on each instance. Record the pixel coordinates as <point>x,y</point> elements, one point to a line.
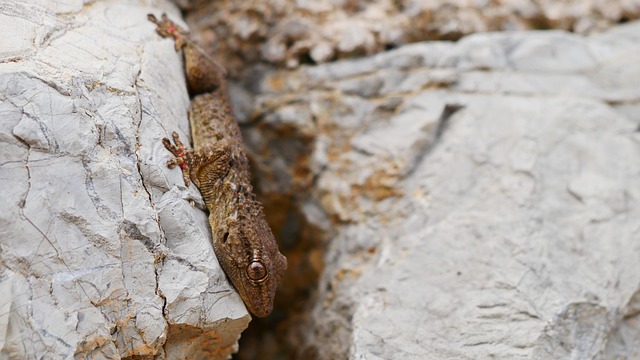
<point>505,230</point>
<point>102,254</point>
<point>290,32</point>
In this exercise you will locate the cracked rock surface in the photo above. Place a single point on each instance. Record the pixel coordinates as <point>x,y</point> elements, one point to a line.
<point>482,198</point>
<point>102,254</point>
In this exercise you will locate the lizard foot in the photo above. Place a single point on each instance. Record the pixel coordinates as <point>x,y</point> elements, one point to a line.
<point>211,163</point>
<point>183,158</point>
<point>168,29</point>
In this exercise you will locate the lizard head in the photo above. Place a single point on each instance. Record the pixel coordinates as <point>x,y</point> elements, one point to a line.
<point>255,265</point>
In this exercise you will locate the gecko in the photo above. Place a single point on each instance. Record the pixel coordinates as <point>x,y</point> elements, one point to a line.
<point>218,166</point>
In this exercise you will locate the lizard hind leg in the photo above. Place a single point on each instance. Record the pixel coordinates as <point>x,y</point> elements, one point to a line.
<point>168,29</point>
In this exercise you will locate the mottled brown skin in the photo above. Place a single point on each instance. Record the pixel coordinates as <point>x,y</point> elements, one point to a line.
<point>218,166</point>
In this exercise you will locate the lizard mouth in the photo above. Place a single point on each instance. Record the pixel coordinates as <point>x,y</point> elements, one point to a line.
<point>260,310</point>
<point>258,300</point>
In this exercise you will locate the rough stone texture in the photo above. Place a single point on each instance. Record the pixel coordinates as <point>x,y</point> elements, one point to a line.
<point>293,31</point>
<point>102,252</point>
<point>506,230</point>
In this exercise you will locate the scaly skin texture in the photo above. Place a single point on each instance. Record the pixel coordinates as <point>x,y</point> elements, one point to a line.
<point>218,166</point>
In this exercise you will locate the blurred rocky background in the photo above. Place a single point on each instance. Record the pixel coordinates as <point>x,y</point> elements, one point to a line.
<point>293,32</point>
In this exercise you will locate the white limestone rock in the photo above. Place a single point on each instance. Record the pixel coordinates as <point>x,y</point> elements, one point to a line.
<point>102,253</point>
<point>294,32</point>
<point>507,230</point>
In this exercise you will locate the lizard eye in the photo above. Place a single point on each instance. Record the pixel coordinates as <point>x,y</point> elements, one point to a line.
<point>256,271</point>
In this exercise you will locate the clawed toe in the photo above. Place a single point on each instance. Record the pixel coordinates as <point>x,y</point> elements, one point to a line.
<point>177,149</point>
<point>171,163</point>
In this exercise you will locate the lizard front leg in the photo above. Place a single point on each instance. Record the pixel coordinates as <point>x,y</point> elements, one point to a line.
<point>210,163</point>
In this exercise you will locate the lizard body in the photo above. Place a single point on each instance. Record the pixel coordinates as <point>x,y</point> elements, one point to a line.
<point>218,166</point>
